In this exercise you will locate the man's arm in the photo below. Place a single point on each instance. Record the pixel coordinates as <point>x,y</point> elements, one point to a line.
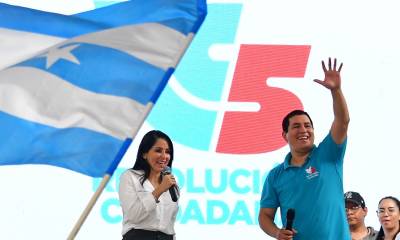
<point>266,221</point>
<point>341,119</point>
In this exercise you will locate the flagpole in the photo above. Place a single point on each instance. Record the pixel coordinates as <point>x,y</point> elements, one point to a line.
<point>107,177</point>
<point>100,189</point>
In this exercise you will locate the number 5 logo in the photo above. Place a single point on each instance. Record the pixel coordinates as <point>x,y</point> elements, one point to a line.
<point>260,132</point>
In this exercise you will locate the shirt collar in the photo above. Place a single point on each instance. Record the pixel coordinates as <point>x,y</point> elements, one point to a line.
<point>286,163</point>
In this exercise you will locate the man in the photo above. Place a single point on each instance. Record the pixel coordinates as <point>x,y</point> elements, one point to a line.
<point>356,212</point>
<point>310,180</point>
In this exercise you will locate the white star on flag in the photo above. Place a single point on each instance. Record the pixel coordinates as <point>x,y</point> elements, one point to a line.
<point>55,54</point>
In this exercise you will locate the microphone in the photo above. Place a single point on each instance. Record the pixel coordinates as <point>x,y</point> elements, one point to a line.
<point>289,219</point>
<point>172,191</point>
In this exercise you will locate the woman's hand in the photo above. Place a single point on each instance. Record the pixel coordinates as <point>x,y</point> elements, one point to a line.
<point>168,180</point>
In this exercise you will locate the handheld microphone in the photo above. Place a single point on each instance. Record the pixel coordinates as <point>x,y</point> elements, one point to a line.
<point>289,219</point>
<point>172,191</point>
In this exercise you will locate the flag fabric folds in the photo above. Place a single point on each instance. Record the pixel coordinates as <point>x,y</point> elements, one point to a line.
<point>74,88</point>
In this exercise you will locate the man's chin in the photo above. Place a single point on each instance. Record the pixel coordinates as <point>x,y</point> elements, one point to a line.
<point>306,148</point>
<point>352,222</point>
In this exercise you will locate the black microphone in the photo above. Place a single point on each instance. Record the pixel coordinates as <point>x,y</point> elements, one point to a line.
<point>289,219</point>
<point>172,191</point>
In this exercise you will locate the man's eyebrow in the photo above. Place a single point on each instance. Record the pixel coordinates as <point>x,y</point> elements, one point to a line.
<point>299,123</point>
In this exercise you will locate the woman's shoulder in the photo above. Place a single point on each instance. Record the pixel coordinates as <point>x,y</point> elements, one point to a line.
<point>397,236</point>
<point>132,172</point>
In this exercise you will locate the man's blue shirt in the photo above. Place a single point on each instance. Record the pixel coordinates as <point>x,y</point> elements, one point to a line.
<point>314,190</point>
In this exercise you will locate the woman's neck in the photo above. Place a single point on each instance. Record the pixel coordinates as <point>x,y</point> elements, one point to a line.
<point>391,233</point>
<point>154,178</point>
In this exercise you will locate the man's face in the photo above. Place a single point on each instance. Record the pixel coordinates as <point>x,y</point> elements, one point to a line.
<point>355,213</point>
<point>300,135</point>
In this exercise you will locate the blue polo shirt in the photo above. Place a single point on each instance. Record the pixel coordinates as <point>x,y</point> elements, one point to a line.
<point>314,190</point>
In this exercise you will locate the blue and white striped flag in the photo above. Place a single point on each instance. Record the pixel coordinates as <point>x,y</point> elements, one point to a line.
<point>74,88</point>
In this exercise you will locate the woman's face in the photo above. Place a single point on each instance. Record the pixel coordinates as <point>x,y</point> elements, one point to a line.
<point>389,214</point>
<point>158,156</point>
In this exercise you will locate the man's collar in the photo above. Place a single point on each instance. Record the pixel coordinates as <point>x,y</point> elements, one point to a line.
<point>286,163</point>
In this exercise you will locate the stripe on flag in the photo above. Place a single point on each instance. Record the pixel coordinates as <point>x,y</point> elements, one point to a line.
<point>86,81</point>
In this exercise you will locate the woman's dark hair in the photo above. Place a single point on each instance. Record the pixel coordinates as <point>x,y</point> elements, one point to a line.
<point>285,121</point>
<point>148,141</point>
<point>381,234</point>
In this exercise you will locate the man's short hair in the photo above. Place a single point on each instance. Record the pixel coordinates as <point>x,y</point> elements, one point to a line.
<point>285,122</point>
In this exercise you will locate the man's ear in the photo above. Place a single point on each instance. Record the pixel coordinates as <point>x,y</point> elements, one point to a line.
<point>366,211</point>
<point>284,136</point>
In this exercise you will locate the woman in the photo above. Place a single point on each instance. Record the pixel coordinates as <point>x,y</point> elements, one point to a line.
<point>148,210</point>
<point>389,217</point>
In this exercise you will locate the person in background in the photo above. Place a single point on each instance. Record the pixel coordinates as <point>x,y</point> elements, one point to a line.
<point>356,212</point>
<point>310,180</point>
<point>148,210</point>
<point>389,217</point>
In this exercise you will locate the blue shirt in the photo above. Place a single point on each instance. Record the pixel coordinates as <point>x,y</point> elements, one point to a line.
<point>314,190</point>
